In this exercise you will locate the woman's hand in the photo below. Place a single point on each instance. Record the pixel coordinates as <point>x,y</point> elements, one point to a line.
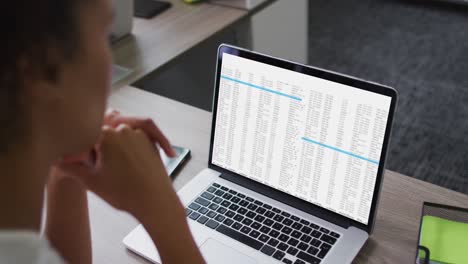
<point>125,168</point>
<point>128,172</point>
<point>113,119</point>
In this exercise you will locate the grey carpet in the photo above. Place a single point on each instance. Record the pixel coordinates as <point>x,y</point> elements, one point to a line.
<point>421,49</point>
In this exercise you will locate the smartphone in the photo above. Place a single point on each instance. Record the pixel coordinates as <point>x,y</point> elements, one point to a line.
<point>149,8</point>
<point>172,164</point>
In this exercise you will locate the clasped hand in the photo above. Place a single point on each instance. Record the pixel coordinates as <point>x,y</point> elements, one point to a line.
<point>124,168</point>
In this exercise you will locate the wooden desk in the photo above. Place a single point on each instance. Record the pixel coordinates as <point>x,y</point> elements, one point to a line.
<point>394,238</point>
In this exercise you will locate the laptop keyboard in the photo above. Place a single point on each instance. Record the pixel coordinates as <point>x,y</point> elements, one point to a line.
<point>274,232</point>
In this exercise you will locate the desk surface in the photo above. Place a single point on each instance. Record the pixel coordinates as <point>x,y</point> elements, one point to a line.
<point>394,238</point>
<point>158,41</point>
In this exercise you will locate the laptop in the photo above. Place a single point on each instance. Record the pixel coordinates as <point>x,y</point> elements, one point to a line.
<point>295,165</point>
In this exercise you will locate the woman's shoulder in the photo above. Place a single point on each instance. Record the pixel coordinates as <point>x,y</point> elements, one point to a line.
<point>17,246</point>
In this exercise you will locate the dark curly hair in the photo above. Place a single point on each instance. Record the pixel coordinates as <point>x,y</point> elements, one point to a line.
<point>30,29</point>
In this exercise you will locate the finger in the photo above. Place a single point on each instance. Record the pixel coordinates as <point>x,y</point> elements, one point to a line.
<point>122,127</point>
<point>110,115</point>
<point>111,111</point>
<point>106,139</point>
<point>106,128</point>
<point>106,133</point>
<point>150,129</point>
<point>159,137</point>
<point>156,135</point>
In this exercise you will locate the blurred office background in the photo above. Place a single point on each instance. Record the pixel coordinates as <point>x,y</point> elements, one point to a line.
<point>418,47</point>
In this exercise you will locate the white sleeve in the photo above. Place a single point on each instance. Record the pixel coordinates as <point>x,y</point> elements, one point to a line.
<point>25,247</point>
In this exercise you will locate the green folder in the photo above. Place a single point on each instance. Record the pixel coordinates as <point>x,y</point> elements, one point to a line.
<point>446,240</point>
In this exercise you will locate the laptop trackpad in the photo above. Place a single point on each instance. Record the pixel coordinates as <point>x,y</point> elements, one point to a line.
<point>216,252</point>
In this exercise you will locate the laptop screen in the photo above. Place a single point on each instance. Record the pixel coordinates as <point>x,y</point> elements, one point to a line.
<point>315,139</point>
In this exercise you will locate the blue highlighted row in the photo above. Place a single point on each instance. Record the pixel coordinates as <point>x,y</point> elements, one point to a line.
<point>261,88</point>
<point>339,150</point>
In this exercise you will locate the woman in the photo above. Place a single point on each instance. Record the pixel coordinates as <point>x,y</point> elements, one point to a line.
<point>54,80</point>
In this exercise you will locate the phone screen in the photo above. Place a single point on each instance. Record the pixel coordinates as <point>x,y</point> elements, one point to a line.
<point>171,164</point>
